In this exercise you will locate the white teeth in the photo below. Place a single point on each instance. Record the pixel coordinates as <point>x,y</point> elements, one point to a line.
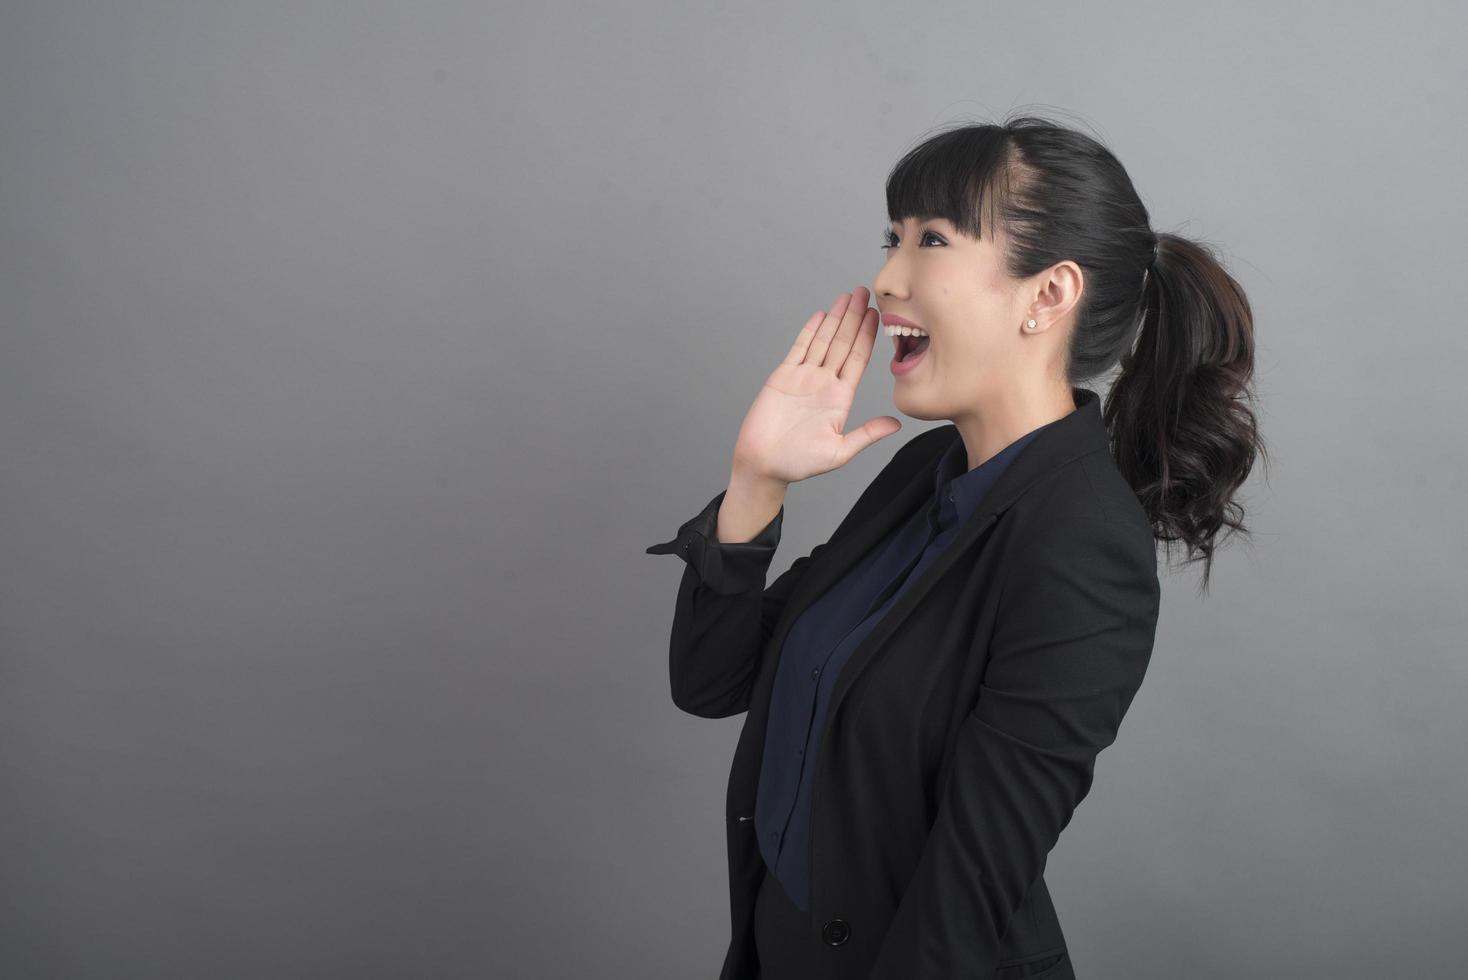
<point>898,331</point>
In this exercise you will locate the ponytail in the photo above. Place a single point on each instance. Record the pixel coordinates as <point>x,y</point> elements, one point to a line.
<point>1182,431</point>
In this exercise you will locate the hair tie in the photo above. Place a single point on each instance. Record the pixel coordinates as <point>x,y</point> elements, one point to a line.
<point>1156,250</point>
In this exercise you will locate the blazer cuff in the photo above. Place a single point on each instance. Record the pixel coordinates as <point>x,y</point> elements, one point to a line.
<point>723,568</point>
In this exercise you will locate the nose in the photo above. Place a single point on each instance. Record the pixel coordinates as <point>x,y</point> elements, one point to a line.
<point>890,281</point>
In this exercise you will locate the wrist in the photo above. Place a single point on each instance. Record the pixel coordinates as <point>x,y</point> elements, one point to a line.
<point>746,483</point>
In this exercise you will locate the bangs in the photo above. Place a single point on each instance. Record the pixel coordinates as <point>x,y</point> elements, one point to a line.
<point>956,175</point>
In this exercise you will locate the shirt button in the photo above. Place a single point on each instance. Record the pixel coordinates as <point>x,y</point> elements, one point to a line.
<point>815,672</point>
<point>800,752</point>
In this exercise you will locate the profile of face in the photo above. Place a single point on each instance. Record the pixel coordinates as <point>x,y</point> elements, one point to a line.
<point>956,288</point>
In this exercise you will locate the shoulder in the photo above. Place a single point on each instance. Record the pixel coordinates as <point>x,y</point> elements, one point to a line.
<point>1111,494</point>
<point>1085,507</point>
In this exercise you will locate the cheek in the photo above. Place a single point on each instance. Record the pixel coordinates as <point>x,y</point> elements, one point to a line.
<point>968,312</point>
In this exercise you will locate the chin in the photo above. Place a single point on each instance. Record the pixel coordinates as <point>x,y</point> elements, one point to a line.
<point>916,407</point>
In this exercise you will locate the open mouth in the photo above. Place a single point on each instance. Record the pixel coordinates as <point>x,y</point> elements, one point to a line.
<point>910,346</point>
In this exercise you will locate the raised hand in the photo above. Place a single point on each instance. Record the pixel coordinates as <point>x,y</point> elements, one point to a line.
<point>793,430</point>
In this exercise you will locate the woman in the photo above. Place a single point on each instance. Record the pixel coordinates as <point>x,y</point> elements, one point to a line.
<point>927,691</point>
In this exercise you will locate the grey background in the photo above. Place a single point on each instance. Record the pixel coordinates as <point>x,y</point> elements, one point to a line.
<point>352,353</point>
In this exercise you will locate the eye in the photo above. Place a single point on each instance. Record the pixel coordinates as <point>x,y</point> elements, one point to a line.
<point>890,238</point>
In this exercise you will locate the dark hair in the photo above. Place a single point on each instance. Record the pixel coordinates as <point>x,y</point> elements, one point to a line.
<point>1159,305</point>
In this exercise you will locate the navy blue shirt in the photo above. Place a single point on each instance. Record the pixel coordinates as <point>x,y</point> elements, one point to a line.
<point>823,638</point>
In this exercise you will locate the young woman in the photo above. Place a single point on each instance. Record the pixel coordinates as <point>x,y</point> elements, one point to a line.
<point>928,690</point>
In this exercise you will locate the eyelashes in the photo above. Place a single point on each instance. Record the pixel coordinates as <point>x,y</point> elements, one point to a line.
<point>890,238</point>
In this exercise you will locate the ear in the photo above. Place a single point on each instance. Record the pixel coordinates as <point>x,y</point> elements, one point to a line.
<point>1058,290</point>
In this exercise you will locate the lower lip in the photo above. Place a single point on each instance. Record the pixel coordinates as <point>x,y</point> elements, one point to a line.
<point>899,368</point>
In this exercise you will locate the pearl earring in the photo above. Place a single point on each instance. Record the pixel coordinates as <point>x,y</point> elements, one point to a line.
<point>1029,324</point>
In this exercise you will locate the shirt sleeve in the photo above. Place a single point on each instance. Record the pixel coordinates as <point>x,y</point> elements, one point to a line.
<point>1074,634</point>
<point>726,569</point>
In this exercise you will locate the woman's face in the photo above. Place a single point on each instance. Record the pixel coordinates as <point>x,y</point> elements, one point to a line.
<point>953,287</point>
<point>956,289</point>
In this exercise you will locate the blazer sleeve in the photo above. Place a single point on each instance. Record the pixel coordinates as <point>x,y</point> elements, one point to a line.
<point>724,615</point>
<point>1076,619</point>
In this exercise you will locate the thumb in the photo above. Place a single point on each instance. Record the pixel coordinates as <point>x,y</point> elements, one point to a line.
<point>860,438</point>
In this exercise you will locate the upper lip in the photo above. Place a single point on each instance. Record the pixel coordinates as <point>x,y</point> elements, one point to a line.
<point>893,320</point>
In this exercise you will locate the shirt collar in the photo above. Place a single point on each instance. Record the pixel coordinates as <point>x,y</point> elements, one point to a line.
<point>969,486</point>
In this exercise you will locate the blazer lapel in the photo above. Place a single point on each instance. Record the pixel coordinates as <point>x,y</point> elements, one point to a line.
<point>844,553</point>
<point>836,560</point>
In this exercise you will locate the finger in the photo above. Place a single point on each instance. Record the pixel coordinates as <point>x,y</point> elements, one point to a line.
<point>822,340</point>
<point>860,354</point>
<point>856,440</point>
<point>803,339</point>
<point>850,325</point>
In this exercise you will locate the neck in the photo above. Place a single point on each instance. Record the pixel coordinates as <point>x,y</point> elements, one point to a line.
<point>1011,413</point>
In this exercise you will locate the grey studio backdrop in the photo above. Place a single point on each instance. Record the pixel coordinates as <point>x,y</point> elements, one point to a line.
<point>353,352</point>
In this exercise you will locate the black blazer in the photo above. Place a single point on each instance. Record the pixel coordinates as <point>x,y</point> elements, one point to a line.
<point>963,732</point>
